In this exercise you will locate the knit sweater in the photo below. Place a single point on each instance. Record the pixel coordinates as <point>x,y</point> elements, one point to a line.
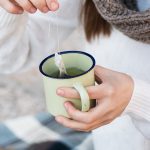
<point>24,42</point>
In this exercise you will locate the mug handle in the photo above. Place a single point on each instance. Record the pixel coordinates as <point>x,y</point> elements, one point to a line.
<point>85,100</point>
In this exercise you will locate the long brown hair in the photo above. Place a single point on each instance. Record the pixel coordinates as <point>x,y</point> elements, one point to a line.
<point>94,24</point>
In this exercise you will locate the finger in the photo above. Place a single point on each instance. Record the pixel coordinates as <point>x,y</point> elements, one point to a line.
<point>100,112</point>
<point>84,123</point>
<point>102,109</point>
<point>12,8</point>
<point>97,125</point>
<point>27,5</point>
<point>77,115</point>
<point>94,92</point>
<point>98,80</point>
<point>71,123</point>
<point>68,93</point>
<point>53,5</point>
<point>41,5</point>
<point>14,2</point>
<point>103,73</point>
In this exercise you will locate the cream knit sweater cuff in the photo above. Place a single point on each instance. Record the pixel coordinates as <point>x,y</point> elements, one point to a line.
<point>140,101</point>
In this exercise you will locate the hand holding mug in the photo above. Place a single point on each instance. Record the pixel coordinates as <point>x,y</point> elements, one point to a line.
<point>31,6</point>
<point>80,75</point>
<point>112,94</point>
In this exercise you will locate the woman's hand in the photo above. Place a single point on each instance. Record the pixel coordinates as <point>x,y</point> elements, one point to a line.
<point>112,94</point>
<point>31,6</point>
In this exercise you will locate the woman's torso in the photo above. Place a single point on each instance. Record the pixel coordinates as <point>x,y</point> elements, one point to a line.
<point>120,53</point>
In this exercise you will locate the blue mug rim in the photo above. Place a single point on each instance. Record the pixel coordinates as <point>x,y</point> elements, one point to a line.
<point>67,52</point>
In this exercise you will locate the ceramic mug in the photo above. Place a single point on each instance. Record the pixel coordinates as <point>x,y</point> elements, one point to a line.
<point>77,59</point>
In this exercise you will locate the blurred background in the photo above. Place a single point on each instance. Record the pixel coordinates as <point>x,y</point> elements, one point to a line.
<point>22,93</point>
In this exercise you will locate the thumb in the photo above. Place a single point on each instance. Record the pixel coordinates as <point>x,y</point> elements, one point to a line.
<point>101,74</point>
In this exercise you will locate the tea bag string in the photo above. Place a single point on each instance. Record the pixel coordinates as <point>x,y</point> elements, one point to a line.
<point>57,32</point>
<point>57,26</point>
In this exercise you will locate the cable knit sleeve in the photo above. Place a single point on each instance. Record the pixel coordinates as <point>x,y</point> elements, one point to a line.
<point>140,101</point>
<point>26,39</point>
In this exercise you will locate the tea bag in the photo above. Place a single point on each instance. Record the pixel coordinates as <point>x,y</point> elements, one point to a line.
<point>60,64</point>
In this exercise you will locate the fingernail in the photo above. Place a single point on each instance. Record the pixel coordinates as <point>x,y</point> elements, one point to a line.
<point>45,9</point>
<point>54,6</point>
<point>66,105</point>
<point>60,92</point>
<point>58,119</point>
<point>32,10</point>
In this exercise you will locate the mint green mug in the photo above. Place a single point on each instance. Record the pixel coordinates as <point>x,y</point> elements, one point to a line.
<point>76,59</point>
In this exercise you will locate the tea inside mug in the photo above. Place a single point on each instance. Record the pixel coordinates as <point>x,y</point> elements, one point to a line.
<point>61,66</point>
<point>71,72</point>
<point>76,63</point>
